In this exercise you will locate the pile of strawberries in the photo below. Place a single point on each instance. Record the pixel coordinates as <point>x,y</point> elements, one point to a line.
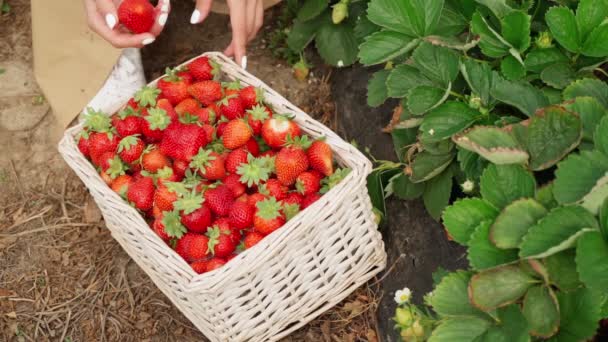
<point>210,166</point>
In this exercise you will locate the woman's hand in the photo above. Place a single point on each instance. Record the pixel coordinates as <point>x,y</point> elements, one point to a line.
<point>246,19</point>
<point>103,19</point>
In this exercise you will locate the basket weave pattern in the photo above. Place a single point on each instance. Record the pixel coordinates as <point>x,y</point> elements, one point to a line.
<point>290,277</point>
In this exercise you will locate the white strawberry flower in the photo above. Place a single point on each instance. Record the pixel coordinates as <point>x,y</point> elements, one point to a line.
<point>403,296</point>
<point>340,64</point>
<point>468,186</point>
<point>431,131</point>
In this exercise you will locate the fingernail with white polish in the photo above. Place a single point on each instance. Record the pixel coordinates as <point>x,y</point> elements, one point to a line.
<point>110,21</point>
<point>165,6</point>
<point>162,19</point>
<point>147,41</point>
<point>196,16</point>
<point>244,62</point>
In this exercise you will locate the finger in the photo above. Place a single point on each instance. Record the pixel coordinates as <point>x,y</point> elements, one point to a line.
<point>259,19</point>
<point>239,31</point>
<point>230,50</point>
<point>162,9</point>
<point>108,11</point>
<point>250,17</point>
<point>203,7</point>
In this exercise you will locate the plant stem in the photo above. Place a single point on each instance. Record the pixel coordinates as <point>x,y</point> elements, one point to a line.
<point>455,94</point>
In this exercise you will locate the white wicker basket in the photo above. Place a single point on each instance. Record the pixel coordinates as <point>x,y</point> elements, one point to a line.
<point>290,277</point>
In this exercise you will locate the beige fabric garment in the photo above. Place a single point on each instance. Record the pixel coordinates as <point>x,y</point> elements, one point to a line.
<point>71,62</point>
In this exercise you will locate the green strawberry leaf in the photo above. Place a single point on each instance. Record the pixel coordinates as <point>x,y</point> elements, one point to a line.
<point>336,44</point>
<point>603,218</point>
<point>384,46</point>
<point>588,87</point>
<point>448,119</point>
<point>541,309</point>
<point>402,139</point>
<point>557,231</point>
<point>595,44</point>
<point>427,165</point>
<point>591,113</point>
<point>438,63</point>
<point>452,21</point>
<point>364,28</point>
<point>539,59</point>
<point>463,217</point>
<point>482,254</point>
<point>558,75</point>
<point>562,23</point>
<point>479,77</point>
<point>512,69</point>
<point>562,270</point>
<point>304,32</point>
<point>403,188</point>
<point>403,78</point>
<point>450,297</point>
<point>412,17</point>
<point>580,312</point>
<point>311,9</point>
<point>591,256</point>
<point>519,94</point>
<point>553,132</point>
<point>578,174</point>
<point>544,196</point>
<point>492,143</point>
<point>511,326</point>
<point>491,43</point>
<point>375,187</point>
<point>498,7</point>
<point>459,329</point>
<point>514,222</point>
<point>589,15</point>
<point>516,30</point>
<point>377,91</point>
<point>500,286</point>
<point>421,99</point>
<point>437,193</point>
<point>503,184</point>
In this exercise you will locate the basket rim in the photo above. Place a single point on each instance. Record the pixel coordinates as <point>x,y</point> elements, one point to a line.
<point>360,168</point>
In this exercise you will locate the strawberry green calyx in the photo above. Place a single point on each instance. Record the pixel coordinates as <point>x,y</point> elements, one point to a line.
<point>212,116</point>
<point>188,118</point>
<point>191,179</point>
<point>158,118</point>
<point>126,112</point>
<point>259,95</point>
<point>171,75</point>
<point>224,101</point>
<point>290,210</point>
<point>241,247</point>
<point>217,146</point>
<point>302,142</point>
<point>189,202</point>
<point>164,173</point>
<point>258,113</point>
<point>254,171</point>
<point>173,224</point>
<point>214,234</point>
<point>82,134</point>
<point>117,168</point>
<point>269,209</point>
<point>234,85</point>
<point>127,142</point>
<point>216,69</point>
<point>147,96</point>
<point>333,180</point>
<point>202,159</point>
<point>177,187</point>
<point>96,121</point>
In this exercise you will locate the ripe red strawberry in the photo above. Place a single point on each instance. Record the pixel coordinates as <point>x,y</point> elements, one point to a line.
<point>173,87</point>
<point>199,220</point>
<point>205,115</point>
<point>121,184</point>
<point>233,182</point>
<point>206,92</point>
<point>198,247</point>
<point>210,131</point>
<point>268,216</point>
<point>224,224</point>
<point>256,117</point>
<point>130,149</point>
<point>253,147</point>
<point>200,266</point>
<point>136,15</point>
<point>165,105</point>
<point>235,159</point>
<point>106,178</point>
<point>180,167</point>
<point>236,134</point>
<point>253,199</point>
<point>310,199</point>
<point>275,189</point>
<point>127,122</point>
<point>183,244</point>
<point>308,183</point>
<point>159,229</point>
<point>182,141</point>
<point>133,104</point>
<point>252,238</point>
<point>141,193</point>
<point>290,162</point>
<point>232,88</point>
<point>220,242</point>
<point>154,124</point>
<point>83,143</point>
<point>101,142</point>
<point>166,175</point>
<point>320,157</point>
<point>209,164</point>
<point>231,107</point>
<point>188,105</point>
<point>241,215</point>
<point>164,198</point>
<point>250,96</point>
<point>219,200</point>
<point>185,75</point>
<point>204,69</point>
<point>220,128</point>
<point>154,160</point>
<point>293,198</point>
<point>276,129</point>
<point>215,263</point>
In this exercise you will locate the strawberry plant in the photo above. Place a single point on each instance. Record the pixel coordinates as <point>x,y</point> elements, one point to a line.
<point>458,64</point>
<point>207,163</point>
